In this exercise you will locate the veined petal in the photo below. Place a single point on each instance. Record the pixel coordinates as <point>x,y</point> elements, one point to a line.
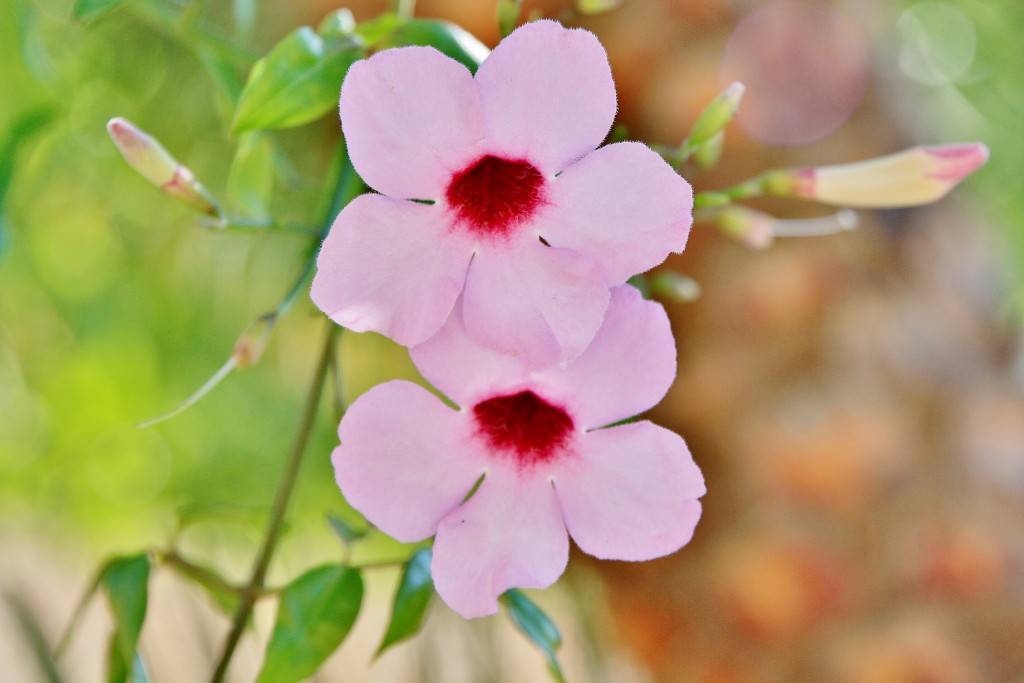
<point>621,206</point>
<point>547,95</point>
<point>535,302</point>
<point>461,367</point>
<point>508,535</point>
<point>626,369</point>
<point>631,494</point>
<point>390,266</point>
<point>405,460</point>
<point>411,118</point>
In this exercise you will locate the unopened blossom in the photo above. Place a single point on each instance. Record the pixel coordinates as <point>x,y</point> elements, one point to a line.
<point>913,177</point>
<point>147,156</point>
<point>491,194</point>
<point>538,443</point>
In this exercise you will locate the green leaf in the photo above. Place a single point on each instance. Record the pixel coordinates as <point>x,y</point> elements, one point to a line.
<point>126,583</point>
<point>378,30</point>
<point>296,83</point>
<point>87,10</point>
<point>412,598</point>
<point>508,15</point>
<point>535,625</point>
<point>317,611</point>
<point>452,40</point>
<point>251,178</point>
<point>344,530</point>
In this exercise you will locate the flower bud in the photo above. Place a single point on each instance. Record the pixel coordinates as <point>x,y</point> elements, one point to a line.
<point>758,230</point>
<point>716,116</point>
<point>752,228</point>
<point>913,177</point>
<point>148,157</point>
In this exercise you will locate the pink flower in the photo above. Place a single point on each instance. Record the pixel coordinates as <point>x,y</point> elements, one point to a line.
<point>522,218</point>
<point>538,439</point>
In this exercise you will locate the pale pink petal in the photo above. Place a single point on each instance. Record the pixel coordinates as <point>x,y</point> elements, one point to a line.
<point>460,367</point>
<point>631,493</point>
<point>508,535</point>
<point>628,367</point>
<point>406,459</point>
<point>547,95</point>
<point>621,206</point>
<point>390,266</point>
<point>535,302</point>
<point>411,118</point>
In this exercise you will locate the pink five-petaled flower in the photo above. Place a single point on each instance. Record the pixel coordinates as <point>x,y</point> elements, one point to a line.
<point>539,440</point>
<point>522,216</point>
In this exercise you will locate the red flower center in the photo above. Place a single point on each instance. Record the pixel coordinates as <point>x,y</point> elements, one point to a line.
<point>492,194</point>
<point>523,424</point>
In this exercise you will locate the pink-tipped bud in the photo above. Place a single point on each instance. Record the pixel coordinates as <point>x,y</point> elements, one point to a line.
<point>913,177</point>
<point>752,228</point>
<point>148,157</point>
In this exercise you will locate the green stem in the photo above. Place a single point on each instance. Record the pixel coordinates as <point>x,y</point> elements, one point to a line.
<point>254,588</point>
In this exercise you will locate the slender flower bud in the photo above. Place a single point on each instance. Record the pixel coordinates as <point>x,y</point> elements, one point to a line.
<point>913,177</point>
<point>716,115</point>
<point>148,157</point>
<point>758,230</point>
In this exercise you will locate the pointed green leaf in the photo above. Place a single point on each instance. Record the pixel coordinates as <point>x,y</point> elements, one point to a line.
<point>452,40</point>
<point>117,672</point>
<point>412,598</point>
<point>126,583</point>
<point>316,612</point>
<point>296,83</point>
<point>87,10</point>
<point>251,178</point>
<point>535,625</point>
<point>344,530</point>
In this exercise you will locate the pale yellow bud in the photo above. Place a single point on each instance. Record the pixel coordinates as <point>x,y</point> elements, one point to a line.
<point>916,176</point>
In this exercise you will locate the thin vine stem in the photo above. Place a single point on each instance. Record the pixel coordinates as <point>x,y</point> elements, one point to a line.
<point>254,587</point>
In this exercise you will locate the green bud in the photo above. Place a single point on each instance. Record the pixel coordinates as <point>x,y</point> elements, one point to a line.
<point>591,7</point>
<point>674,286</point>
<point>716,116</point>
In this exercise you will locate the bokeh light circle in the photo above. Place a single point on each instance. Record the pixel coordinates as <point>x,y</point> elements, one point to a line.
<point>805,68</point>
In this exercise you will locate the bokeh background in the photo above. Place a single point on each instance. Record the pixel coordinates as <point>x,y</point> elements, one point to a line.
<point>856,401</point>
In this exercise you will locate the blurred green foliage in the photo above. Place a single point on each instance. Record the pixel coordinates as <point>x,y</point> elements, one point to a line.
<point>964,63</point>
<point>115,306</point>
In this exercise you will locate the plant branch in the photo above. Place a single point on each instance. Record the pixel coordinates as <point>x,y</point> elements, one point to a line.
<point>254,588</point>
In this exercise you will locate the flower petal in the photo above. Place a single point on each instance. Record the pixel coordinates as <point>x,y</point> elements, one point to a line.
<point>536,302</point>
<point>411,118</point>
<point>462,368</point>
<point>390,266</point>
<point>628,367</point>
<point>547,95</point>
<point>405,460</point>
<point>508,535</point>
<point>631,494</point>
<point>621,206</point>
